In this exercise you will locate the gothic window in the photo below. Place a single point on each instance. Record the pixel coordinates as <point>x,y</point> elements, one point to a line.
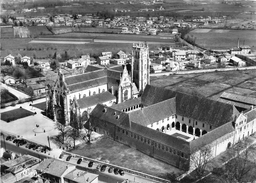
<point>126,95</point>
<point>94,93</point>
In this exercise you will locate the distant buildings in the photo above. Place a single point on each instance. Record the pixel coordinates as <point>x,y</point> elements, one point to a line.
<point>9,59</point>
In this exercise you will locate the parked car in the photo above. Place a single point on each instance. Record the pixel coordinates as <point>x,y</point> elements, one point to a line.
<point>68,158</point>
<point>116,171</point>
<point>10,138</point>
<point>98,166</point>
<point>110,170</point>
<point>61,156</point>
<point>22,142</point>
<point>90,164</point>
<point>79,161</point>
<point>103,168</point>
<point>36,147</point>
<point>31,146</point>
<point>121,172</point>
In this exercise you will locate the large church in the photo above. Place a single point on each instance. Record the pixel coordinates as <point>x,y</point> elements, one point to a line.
<point>74,96</point>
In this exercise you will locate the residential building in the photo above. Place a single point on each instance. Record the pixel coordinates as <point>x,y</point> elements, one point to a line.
<point>172,126</point>
<point>237,61</point>
<point>9,80</point>
<point>27,60</point>
<point>58,171</point>
<point>19,168</point>
<point>9,59</point>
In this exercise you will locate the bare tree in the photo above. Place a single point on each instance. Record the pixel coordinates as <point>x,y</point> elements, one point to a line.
<point>242,168</point>
<point>74,134</point>
<point>63,132</point>
<point>201,159</point>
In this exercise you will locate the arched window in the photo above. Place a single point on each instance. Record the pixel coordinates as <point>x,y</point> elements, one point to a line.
<point>190,130</point>
<point>178,126</point>
<point>184,128</point>
<point>197,132</point>
<point>126,95</point>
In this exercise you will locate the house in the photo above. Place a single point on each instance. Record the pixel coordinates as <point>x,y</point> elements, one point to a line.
<point>118,61</point>
<point>9,80</point>
<point>62,172</point>
<point>122,55</point>
<point>156,68</point>
<point>237,61</point>
<point>9,59</point>
<point>107,54</point>
<point>27,60</point>
<point>104,60</point>
<point>179,55</point>
<point>173,127</point>
<point>19,168</point>
<point>38,89</point>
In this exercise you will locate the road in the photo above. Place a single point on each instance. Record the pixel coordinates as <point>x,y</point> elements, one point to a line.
<point>104,177</point>
<point>15,92</point>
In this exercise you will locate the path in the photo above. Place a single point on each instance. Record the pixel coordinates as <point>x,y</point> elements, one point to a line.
<point>18,94</point>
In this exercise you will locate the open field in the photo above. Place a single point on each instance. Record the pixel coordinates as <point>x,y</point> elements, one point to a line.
<point>211,85</point>
<point>113,152</point>
<point>41,106</point>
<point>224,39</point>
<point>15,114</point>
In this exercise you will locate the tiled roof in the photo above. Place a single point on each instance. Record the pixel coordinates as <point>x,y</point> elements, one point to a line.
<point>154,113</point>
<point>251,115</point>
<point>52,167</point>
<point>87,84</point>
<point>80,176</point>
<point>238,98</point>
<point>95,99</point>
<point>202,109</point>
<point>211,136</point>
<point>104,113</point>
<point>127,104</point>
<point>124,121</point>
<point>160,137</point>
<point>80,78</point>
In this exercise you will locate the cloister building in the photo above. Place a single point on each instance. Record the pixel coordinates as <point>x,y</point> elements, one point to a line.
<point>173,126</point>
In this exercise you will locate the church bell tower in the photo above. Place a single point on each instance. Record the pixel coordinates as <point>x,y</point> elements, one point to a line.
<point>140,65</point>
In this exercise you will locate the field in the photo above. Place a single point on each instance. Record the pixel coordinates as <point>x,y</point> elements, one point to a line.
<point>113,152</point>
<point>224,39</point>
<point>15,114</point>
<point>6,96</point>
<point>211,85</point>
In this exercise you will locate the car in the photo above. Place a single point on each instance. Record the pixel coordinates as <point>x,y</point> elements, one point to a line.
<point>103,168</point>
<point>121,172</point>
<point>116,171</point>
<point>15,141</point>
<point>110,170</point>
<point>61,156</point>
<point>36,147</point>
<point>90,164</point>
<point>45,149</point>
<point>22,142</point>
<point>79,161</point>
<point>31,146</point>
<point>9,138</point>
<point>68,158</point>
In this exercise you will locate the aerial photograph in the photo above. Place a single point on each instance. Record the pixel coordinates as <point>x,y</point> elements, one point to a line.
<point>128,91</point>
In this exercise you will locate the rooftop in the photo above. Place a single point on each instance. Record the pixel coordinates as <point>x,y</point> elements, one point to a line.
<point>80,176</point>
<point>95,99</point>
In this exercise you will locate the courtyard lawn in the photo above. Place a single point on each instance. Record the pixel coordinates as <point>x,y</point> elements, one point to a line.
<point>115,153</point>
<point>6,96</point>
<point>41,106</point>
<point>15,114</point>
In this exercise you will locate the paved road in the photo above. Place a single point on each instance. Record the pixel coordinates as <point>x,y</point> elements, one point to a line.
<point>104,177</point>
<point>15,92</point>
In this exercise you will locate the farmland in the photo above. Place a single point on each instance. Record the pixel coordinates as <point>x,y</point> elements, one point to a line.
<point>224,39</point>
<point>211,85</point>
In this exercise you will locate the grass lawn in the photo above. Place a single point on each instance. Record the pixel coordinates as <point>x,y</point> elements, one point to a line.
<point>113,152</point>
<point>15,114</point>
<point>41,105</point>
<point>6,96</point>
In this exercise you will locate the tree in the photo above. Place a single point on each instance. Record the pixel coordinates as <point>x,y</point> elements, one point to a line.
<point>63,132</point>
<point>240,169</point>
<point>54,64</point>
<point>200,160</point>
<point>74,134</point>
